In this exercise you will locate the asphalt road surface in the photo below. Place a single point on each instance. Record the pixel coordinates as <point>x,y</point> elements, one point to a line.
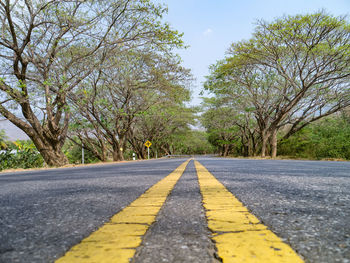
<point>306,203</point>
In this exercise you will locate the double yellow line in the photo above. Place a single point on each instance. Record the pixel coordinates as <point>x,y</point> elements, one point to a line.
<point>117,240</point>
<point>239,235</point>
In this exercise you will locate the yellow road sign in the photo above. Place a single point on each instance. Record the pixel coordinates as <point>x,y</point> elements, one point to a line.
<point>148,144</point>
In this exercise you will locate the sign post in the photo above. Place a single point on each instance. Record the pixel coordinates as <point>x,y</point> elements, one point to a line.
<point>148,144</point>
<point>82,153</point>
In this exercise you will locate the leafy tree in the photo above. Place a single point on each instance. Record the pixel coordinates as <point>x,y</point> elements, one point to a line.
<point>193,142</point>
<point>48,48</point>
<point>121,93</point>
<point>162,124</point>
<point>87,135</point>
<point>73,152</point>
<point>223,125</point>
<point>294,71</point>
<point>248,96</point>
<point>311,55</point>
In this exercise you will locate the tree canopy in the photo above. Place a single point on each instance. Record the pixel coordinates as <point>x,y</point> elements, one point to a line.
<point>292,72</point>
<point>49,50</point>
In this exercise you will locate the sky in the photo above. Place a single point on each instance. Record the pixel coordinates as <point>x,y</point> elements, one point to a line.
<point>211,26</point>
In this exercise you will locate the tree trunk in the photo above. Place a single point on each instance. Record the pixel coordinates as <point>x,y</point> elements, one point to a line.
<point>222,151</point>
<point>244,148</point>
<point>103,153</point>
<point>54,158</point>
<point>166,151</point>
<point>117,154</point>
<point>141,152</point>
<point>47,135</point>
<point>265,138</point>
<point>101,144</point>
<point>249,149</point>
<point>225,150</point>
<point>252,145</point>
<point>51,153</point>
<point>274,143</point>
<point>140,155</point>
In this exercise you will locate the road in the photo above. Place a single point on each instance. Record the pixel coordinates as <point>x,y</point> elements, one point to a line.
<point>43,214</point>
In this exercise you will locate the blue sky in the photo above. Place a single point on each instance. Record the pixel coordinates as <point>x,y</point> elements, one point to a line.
<point>210,26</point>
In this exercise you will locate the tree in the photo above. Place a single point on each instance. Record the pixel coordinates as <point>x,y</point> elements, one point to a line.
<point>87,135</point>
<point>122,91</point>
<point>47,48</point>
<point>311,55</point>
<point>229,127</point>
<point>292,72</point>
<point>165,124</point>
<point>252,96</point>
<point>196,142</point>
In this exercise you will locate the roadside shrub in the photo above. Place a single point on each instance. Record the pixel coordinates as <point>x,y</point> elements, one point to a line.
<point>20,154</point>
<point>327,138</point>
<point>74,155</point>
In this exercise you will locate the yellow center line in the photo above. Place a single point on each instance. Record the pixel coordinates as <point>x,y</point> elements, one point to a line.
<point>238,234</point>
<point>117,240</point>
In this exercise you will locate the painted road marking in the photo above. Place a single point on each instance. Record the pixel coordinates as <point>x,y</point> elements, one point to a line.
<point>117,240</point>
<point>238,234</point>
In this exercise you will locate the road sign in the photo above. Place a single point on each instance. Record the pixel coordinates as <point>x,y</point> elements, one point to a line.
<point>148,144</point>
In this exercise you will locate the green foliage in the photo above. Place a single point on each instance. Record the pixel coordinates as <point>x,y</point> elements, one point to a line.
<point>3,137</point>
<point>74,154</point>
<point>224,125</point>
<point>85,39</point>
<point>192,142</point>
<point>20,154</point>
<point>299,145</point>
<point>292,72</point>
<point>328,138</point>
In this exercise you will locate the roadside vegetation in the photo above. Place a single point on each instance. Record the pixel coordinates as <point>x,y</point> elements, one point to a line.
<point>23,154</point>
<point>328,138</point>
<point>19,154</point>
<point>287,86</point>
<point>103,76</point>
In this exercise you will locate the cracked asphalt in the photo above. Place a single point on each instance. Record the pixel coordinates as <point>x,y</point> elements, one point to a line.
<point>306,203</point>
